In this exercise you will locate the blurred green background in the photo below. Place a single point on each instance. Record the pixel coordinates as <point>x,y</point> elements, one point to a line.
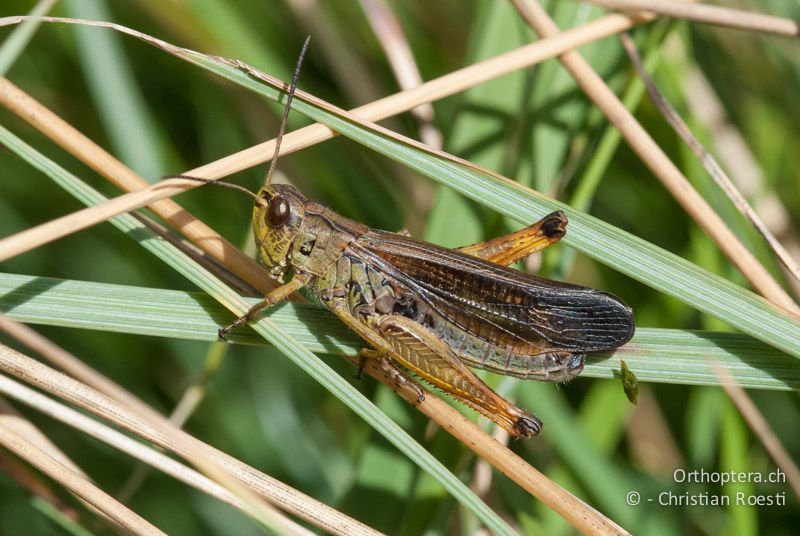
<point>160,115</point>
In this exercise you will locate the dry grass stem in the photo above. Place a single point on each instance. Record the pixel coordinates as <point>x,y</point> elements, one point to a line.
<point>741,163</point>
<point>199,256</point>
<point>82,372</point>
<point>30,480</point>
<point>232,481</point>
<point>47,232</point>
<point>166,436</point>
<point>75,367</point>
<point>444,417</point>
<point>26,429</point>
<point>721,16</point>
<point>74,482</point>
<point>572,509</point>
<point>709,162</point>
<point>10,418</point>
<point>579,514</point>
<point>188,403</point>
<point>759,425</point>
<point>444,86</point>
<point>348,69</point>
<point>498,455</point>
<point>94,156</point>
<point>387,29</point>
<point>658,162</point>
<point>127,445</point>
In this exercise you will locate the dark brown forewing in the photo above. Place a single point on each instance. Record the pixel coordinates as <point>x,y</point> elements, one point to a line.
<point>500,305</point>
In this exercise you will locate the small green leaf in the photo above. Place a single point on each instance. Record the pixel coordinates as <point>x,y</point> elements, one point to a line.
<point>630,383</point>
<point>658,355</point>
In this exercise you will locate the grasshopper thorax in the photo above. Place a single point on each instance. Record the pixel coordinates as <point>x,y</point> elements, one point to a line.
<point>277,218</point>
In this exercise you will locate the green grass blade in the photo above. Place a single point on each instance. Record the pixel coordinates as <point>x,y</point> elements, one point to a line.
<point>596,470</point>
<point>733,456</point>
<point>656,355</point>
<point>609,141</point>
<point>637,258</point>
<point>115,90</point>
<point>283,341</point>
<point>59,518</point>
<point>15,43</point>
<point>614,247</point>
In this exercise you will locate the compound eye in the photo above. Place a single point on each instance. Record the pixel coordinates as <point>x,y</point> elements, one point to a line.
<point>278,211</point>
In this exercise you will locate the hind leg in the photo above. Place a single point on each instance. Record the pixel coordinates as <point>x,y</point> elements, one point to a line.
<point>510,248</point>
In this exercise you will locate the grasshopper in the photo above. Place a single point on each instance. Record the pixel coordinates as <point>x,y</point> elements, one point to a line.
<point>432,311</point>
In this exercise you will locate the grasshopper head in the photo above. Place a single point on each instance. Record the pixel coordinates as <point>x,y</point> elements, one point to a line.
<point>277,216</point>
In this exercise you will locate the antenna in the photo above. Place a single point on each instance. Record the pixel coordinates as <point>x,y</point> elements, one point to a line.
<point>289,97</point>
<point>215,182</point>
<point>286,108</point>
